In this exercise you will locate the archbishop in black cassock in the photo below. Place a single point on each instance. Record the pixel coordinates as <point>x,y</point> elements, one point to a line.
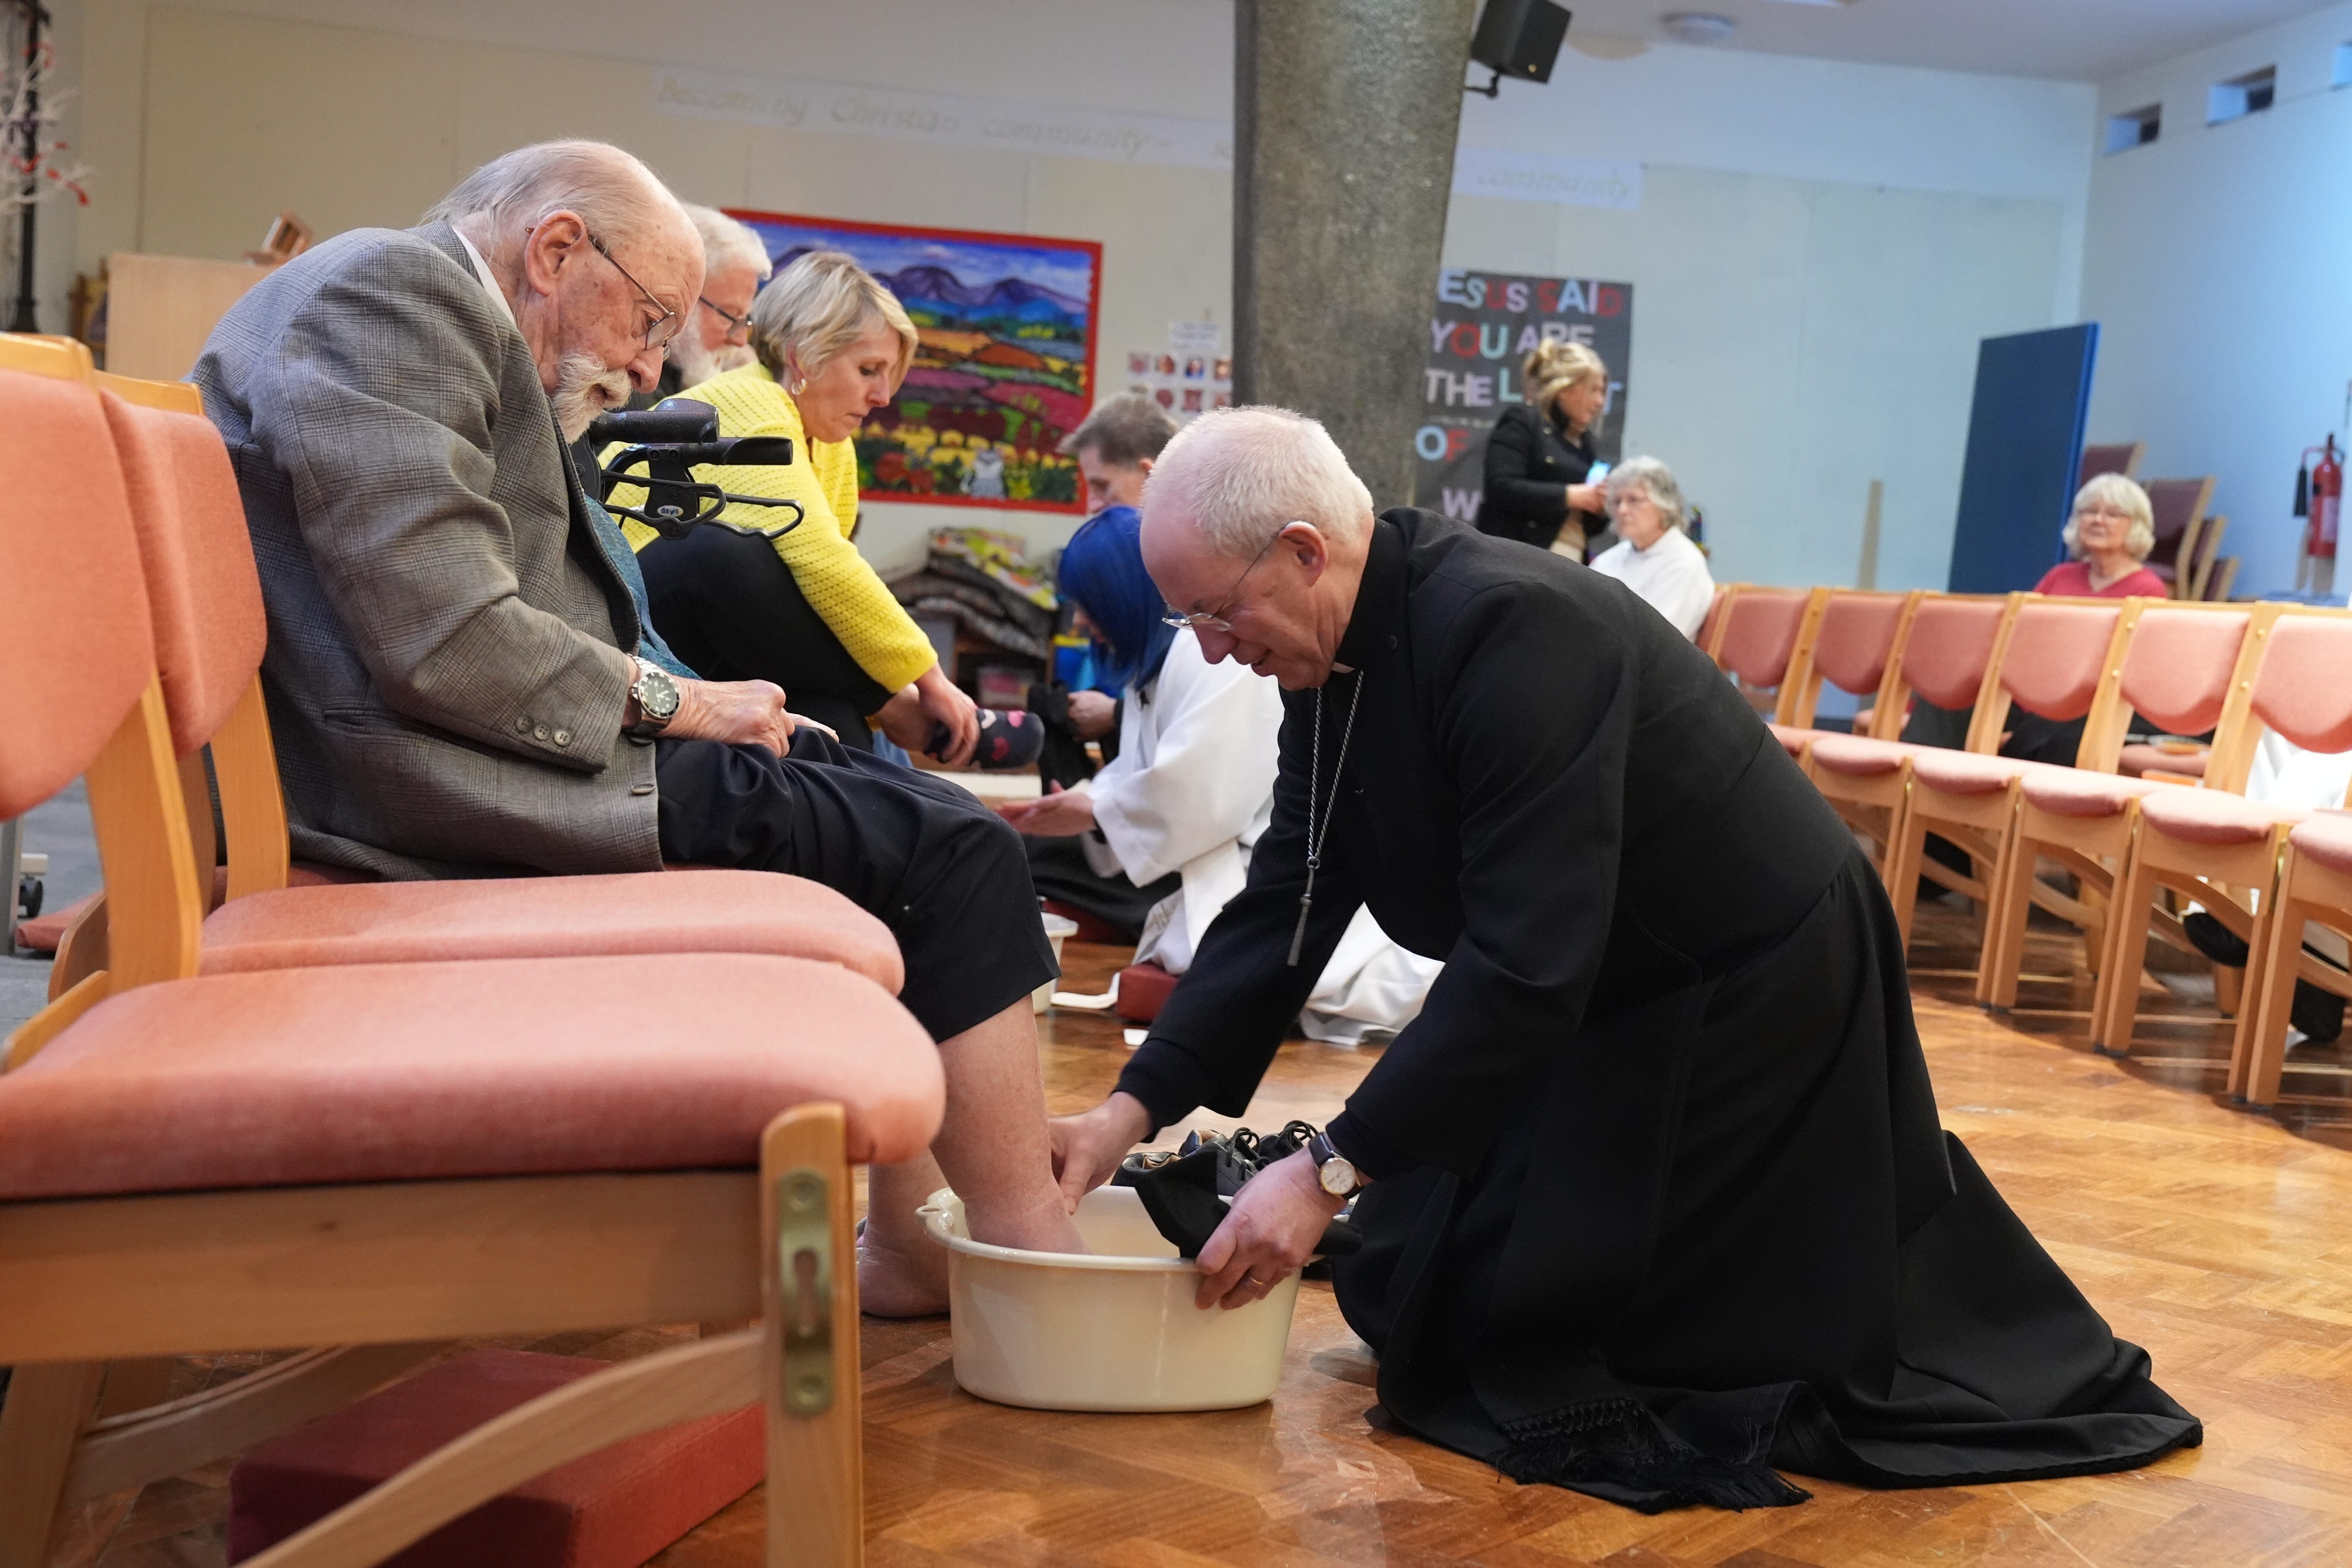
<point>1661,1201</point>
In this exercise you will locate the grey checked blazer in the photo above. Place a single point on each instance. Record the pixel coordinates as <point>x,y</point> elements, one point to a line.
<point>445,674</point>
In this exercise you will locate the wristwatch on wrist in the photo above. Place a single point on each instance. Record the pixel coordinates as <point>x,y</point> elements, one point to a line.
<point>656,695</point>
<point>1334,1172</point>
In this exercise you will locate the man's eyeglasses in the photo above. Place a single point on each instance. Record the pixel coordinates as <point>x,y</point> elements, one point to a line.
<point>662,327</point>
<point>737,326</point>
<point>1215,620</point>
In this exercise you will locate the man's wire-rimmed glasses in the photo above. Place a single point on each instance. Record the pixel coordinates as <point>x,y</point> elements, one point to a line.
<point>1215,620</point>
<point>662,327</point>
<point>736,325</point>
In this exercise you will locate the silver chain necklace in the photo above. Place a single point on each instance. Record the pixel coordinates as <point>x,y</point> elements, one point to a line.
<point>1314,782</point>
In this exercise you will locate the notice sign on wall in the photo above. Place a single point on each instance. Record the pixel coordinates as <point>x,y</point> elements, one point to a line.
<point>1483,328</point>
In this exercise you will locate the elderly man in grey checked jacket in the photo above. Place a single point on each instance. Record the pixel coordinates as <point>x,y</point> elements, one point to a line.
<point>461,678</point>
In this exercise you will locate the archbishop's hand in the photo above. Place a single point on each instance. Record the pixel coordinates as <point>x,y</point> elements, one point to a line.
<point>1087,1147</point>
<point>1274,1223</point>
<point>740,712</point>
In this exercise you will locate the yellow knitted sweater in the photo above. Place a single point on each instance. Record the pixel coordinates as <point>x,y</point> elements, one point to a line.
<point>839,585</point>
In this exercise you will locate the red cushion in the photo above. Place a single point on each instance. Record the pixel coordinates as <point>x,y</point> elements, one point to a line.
<point>1143,990</point>
<point>390,1072</point>
<point>1091,927</point>
<point>2326,838</point>
<point>2212,817</point>
<point>612,1509</point>
<point>1793,740</point>
<point>2076,791</point>
<point>44,931</point>
<point>531,917</point>
<point>1964,773</point>
<point>1857,756</point>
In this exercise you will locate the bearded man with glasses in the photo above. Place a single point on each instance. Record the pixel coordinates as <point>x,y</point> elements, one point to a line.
<point>461,678</point>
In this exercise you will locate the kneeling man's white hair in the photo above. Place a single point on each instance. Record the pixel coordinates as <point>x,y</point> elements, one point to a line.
<point>614,195</point>
<point>1244,473</point>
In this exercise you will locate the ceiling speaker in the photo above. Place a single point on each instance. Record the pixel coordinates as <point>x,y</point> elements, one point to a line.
<point>1519,37</point>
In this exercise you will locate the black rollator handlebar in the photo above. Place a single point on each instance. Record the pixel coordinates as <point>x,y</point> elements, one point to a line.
<point>669,440</point>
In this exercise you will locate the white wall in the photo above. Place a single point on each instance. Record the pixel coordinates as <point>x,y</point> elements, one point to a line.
<point>2219,265</point>
<point>1819,247</point>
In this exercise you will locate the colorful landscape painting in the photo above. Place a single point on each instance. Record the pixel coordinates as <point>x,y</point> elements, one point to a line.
<point>1006,365</point>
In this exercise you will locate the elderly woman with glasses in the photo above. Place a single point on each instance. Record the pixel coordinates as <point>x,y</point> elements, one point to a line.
<point>803,608</point>
<point>1653,555</point>
<point>2108,536</point>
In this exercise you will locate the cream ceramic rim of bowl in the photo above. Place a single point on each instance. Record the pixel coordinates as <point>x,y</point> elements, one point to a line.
<point>936,1221</point>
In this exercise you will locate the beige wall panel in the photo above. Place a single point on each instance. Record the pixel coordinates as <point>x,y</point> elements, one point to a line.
<point>875,180</point>
<point>245,116</point>
<point>512,98</point>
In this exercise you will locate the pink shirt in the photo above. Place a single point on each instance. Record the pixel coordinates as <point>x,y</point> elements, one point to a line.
<point>2072,579</point>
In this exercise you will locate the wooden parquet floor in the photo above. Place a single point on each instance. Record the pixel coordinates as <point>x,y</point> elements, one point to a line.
<point>2220,1240</point>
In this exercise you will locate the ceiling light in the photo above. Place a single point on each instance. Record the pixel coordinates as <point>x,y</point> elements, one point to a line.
<point>1699,27</point>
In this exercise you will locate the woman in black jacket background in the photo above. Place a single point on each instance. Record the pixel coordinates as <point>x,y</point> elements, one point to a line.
<point>1539,454</point>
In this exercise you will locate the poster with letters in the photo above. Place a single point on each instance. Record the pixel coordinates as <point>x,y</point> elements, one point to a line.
<point>1481,328</point>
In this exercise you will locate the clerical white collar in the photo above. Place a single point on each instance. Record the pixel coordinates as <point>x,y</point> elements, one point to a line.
<point>482,271</point>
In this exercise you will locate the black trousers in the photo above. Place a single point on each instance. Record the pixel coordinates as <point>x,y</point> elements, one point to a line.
<point>1059,867</point>
<point>729,607</point>
<point>947,874</point>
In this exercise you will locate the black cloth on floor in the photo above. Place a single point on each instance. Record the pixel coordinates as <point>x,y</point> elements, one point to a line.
<point>1662,1198</point>
<point>941,870</point>
<point>729,607</point>
<point>1059,867</point>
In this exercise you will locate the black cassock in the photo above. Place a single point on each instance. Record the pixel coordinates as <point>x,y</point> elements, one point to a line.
<point>1663,1201</point>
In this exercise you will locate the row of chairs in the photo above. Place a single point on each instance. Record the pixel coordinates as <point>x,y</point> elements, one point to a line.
<point>371,1119</point>
<point>2138,827</point>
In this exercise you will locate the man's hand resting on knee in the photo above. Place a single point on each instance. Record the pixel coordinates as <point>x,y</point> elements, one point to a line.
<point>740,712</point>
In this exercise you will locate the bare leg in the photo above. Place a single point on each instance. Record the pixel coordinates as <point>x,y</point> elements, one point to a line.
<point>992,1150</point>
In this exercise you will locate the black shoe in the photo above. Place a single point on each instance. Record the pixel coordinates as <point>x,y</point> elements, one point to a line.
<point>1009,738</point>
<point>1186,1192</point>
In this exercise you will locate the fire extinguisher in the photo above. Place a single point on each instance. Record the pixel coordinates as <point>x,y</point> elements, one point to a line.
<point>2319,496</point>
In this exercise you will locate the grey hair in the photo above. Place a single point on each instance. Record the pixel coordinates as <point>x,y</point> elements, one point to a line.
<point>817,307</point>
<point>1244,473</point>
<point>2126,496</point>
<point>503,200</point>
<point>1124,430</point>
<point>1657,481</point>
<point>728,243</point>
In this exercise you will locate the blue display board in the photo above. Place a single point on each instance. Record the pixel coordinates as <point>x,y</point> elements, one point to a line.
<point>2026,450</point>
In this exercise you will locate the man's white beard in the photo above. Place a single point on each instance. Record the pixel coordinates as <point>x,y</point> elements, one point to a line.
<point>735,356</point>
<point>584,388</point>
<point>695,364</point>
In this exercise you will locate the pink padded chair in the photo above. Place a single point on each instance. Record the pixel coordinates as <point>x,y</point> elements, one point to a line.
<point>2171,664</point>
<point>383,1156</point>
<point>1858,648</point>
<point>1948,659</point>
<point>209,629</point>
<point>2219,848</point>
<point>2058,663</point>
<point>1767,636</point>
<point>2314,883</point>
<point>1710,630</point>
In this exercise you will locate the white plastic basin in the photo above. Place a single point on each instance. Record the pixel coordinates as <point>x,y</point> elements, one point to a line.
<point>1114,1330</point>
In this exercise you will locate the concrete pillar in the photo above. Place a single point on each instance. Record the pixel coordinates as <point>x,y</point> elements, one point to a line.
<point>1345,113</point>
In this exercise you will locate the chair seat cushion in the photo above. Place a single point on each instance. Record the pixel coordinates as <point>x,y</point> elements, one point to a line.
<point>499,1067</point>
<point>2326,838</point>
<point>1794,740</point>
<point>2136,759</point>
<point>612,1509</point>
<point>2212,817</point>
<point>2077,792</point>
<point>550,917</point>
<point>1858,756</point>
<point>1964,773</point>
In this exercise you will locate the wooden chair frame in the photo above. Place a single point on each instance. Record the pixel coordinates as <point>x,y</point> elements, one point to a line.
<point>1805,684</point>
<point>397,1267</point>
<point>2306,891</point>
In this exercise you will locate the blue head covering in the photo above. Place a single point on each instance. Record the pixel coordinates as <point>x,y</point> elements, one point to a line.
<point>1102,570</point>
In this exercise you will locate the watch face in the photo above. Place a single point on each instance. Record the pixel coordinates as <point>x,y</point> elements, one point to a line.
<point>1337,1176</point>
<point>657,694</point>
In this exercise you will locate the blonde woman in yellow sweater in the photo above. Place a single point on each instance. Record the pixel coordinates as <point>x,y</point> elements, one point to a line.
<point>806,610</point>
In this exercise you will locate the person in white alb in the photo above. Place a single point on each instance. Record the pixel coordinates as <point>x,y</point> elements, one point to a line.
<point>1653,555</point>
<point>1190,793</point>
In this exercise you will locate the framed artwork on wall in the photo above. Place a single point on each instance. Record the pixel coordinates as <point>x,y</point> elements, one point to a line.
<point>1004,370</point>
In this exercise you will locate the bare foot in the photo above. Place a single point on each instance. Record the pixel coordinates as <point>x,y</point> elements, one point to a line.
<point>896,1283</point>
<point>1039,1226</point>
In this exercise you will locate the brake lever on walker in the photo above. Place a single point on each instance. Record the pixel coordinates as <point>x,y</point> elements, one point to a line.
<point>669,467</point>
